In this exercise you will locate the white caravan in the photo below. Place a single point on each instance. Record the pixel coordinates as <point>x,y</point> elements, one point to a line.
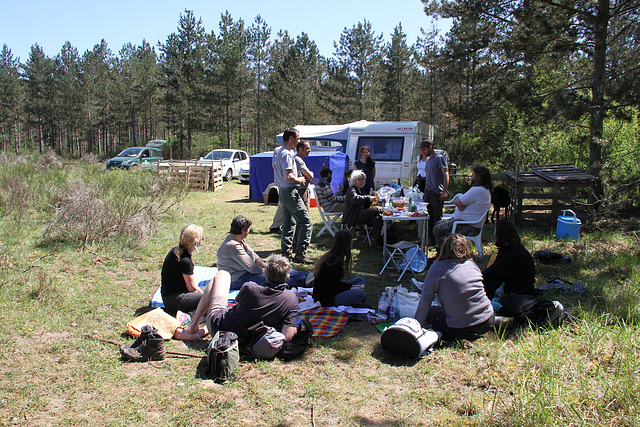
<point>393,145</point>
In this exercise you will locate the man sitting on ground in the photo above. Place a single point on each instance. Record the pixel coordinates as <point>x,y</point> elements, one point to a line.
<point>329,201</point>
<point>272,303</point>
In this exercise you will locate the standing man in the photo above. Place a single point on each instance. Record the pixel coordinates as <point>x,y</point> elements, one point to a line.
<point>278,217</point>
<point>294,209</point>
<point>304,148</point>
<point>436,184</point>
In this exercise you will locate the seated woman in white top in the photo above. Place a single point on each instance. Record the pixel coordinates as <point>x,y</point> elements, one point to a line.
<point>238,259</point>
<point>468,206</point>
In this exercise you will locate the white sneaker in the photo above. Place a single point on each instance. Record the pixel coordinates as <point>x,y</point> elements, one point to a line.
<point>416,285</point>
<point>309,279</point>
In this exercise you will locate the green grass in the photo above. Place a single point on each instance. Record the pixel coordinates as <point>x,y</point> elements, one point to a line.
<point>53,293</point>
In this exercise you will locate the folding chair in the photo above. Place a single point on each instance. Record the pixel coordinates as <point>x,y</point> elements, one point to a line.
<point>477,222</point>
<point>399,254</point>
<point>367,229</point>
<point>328,218</point>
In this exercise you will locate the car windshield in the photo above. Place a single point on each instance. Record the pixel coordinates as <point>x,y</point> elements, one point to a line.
<point>215,155</point>
<point>130,152</point>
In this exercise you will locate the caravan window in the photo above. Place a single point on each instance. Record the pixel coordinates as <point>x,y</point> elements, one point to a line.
<point>383,148</point>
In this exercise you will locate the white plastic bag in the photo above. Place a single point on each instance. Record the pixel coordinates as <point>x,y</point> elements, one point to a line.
<point>408,301</point>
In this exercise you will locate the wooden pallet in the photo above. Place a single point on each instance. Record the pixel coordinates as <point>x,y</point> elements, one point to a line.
<point>205,178</point>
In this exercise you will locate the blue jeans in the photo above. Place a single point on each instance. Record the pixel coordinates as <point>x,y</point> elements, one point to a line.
<point>351,296</point>
<point>296,279</point>
<point>295,213</point>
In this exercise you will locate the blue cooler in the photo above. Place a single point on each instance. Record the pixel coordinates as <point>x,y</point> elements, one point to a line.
<point>568,226</point>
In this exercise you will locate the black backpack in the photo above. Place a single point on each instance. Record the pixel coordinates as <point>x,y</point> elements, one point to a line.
<point>539,312</point>
<point>299,343</point>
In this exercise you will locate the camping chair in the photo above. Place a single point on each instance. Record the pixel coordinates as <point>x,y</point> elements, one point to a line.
<point>477,222</point>
<point>367,229</point>
<point>399,254</point>
<point>328,218</point>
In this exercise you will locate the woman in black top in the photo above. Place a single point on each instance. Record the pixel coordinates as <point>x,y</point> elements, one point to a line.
<point>368,166</point>
<point>179,288</point>
<point>328,285</point>
<point>513,265</point>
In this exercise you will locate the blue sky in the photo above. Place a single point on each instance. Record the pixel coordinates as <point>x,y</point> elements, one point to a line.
<point>50,24</point>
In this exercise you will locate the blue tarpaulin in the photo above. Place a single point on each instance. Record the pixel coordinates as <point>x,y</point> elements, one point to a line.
<point>262,171</point>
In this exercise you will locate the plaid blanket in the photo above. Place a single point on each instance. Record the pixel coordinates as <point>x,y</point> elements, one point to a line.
<point>325,322</point>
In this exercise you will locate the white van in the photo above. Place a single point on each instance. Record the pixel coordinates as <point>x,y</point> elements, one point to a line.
<point>393,145</point>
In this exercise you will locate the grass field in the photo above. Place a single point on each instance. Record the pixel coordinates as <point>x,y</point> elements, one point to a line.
<point>54,293</point>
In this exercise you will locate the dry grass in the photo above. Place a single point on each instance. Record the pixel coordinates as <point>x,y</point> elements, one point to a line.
<point>51,295</point>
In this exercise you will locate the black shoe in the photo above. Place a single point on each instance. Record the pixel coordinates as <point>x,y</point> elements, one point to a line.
<point>274,230</point>
<point>302,259</point>
<point>288,255</point>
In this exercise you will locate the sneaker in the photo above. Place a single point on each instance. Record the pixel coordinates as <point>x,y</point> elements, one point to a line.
<point>308,281</point>
<point>303,259</point>
<point>416,285</point>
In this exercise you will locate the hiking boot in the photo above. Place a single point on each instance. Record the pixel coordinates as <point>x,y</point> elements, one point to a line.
<point>288,255</point>
<point>144,335</point>
<point>303,259</point>
<point>152,348</point>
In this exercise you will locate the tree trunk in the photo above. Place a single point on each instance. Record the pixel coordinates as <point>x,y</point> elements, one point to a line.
<point>596,123</point>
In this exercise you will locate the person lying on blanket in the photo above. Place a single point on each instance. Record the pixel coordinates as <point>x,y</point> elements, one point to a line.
<point>179,288</point>
<point>271,303</point>
<point>236,258</point>
<point>328,285</point>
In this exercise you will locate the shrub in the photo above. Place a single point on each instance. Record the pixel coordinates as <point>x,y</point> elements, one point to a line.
<point>115,206</point>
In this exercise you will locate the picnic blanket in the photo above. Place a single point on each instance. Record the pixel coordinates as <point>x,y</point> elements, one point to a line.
<point>325,321</point>
<point>202,274</point>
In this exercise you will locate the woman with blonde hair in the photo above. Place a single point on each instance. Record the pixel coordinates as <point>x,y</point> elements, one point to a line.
<point>179,288</point>
<point>464,308</point>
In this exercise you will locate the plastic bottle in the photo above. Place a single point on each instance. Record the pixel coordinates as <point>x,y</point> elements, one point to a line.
<point>435,301</point>
<point>394,307</point>
<point>383,304</point>
<point>495,302</point>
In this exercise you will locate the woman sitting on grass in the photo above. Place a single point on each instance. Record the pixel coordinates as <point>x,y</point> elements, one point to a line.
<point>328,285</point>
<point>238,259</point>
<point>513,265</point>
<point>179,288</point>
<point>464,308</point>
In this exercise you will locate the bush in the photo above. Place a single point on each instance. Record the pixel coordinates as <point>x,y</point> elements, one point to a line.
<point>114,206</point>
